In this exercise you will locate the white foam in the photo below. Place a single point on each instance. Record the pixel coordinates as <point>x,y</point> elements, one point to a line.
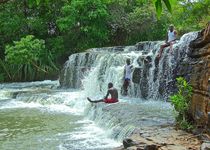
<point>18,104</point>
<point>89,136</point>
<point>59,108</point>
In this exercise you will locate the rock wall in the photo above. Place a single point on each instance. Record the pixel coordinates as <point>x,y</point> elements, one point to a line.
<point>196,68</point>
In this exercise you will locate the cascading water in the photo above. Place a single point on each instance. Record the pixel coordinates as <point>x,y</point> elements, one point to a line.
<point>43,116</point>
<point>39,116</point>
<point>151,79</point>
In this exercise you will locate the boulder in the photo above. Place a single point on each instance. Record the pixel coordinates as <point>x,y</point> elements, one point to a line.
<point>128,143</point>
<point>205,146</point>
<point>151,147</point>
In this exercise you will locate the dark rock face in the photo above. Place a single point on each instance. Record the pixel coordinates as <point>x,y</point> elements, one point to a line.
<point>128,143</point>
<point>151,147</point>
<point>196,69</point>
<point>137,75</point>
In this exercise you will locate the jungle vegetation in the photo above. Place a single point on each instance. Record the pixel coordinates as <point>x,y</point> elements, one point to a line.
<point>37,36</point>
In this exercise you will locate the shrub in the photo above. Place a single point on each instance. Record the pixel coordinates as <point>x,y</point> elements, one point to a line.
<point>28,59</point>
<point>181,102</point>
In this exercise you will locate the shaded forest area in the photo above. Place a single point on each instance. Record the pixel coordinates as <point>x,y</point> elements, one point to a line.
<point>36,37</point>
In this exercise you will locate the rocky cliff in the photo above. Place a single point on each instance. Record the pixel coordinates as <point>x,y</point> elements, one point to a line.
<point>196,68</point>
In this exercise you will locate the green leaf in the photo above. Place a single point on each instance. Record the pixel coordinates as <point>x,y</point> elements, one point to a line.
<point>158,6</point>
<point>168,5</point>
<point>173,2</point>
<point>30,3</point>
<point>38,2</point>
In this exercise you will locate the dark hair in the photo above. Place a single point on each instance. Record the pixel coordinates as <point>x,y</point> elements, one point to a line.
<point>128,60</point>
<point>110,84</point>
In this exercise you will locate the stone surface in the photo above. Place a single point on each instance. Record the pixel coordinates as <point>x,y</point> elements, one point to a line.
<point>144,125</point>
<point>128,143</point>
<point>205,146</point>
<point>136,75</point>
<point>196,69</point>
<point>151,147</point>
<point>163,138</point>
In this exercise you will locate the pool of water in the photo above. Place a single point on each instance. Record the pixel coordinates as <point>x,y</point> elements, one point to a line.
<point>38,116</point>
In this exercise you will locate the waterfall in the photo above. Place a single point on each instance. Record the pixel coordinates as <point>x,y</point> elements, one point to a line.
<point>94,69</point>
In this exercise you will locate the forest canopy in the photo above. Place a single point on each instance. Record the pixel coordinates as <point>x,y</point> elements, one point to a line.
<point>64,27</point>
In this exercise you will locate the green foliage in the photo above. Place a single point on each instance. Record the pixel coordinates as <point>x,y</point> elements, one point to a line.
<point>25,51</point>
<point>11,22</point>
<point>181,103</point>
<point>144,25</point>
<point>56,46</point>
<point>30,58</point>
<point>185,125</point>
<point>85,20</point>
<point>1,77</point>
<point>191,16</point>
<point>158,6</point>
<point>69,26</point>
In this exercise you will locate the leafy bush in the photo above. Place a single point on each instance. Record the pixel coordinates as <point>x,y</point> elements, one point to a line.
<point>28,59</point>
<point>181,103</point>
<point>25,51</point>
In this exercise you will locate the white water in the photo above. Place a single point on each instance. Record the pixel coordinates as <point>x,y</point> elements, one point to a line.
<point>96,128</point>
<point>51,102</point>
<point>94,69</point>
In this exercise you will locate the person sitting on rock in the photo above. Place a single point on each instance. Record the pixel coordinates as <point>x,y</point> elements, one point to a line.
<point>112,91</point>
<point>170,40</point>
<point>127,76</point>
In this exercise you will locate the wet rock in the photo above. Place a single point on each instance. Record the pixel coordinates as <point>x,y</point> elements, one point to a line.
<point>205,146</point>
<point>197,131</point>
<point>144,87</point>
<point>146,45</point>
<point>174,147</point>
<point>151,147</point>
<point>133,148</point>
<point>209,120</point>
<point>136,75</point>
<point>195,68</point>
<point>128,143</point>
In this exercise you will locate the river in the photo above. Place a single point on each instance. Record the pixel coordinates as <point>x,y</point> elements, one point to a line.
<point>40,115</point>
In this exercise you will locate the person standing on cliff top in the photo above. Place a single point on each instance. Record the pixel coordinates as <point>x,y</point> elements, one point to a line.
<point>170,40</point>
<point>112,91</point>
<point>127,76</point>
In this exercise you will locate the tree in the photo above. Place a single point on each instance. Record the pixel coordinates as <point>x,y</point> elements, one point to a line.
<point>191,16</point>
<point>85,21</point>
